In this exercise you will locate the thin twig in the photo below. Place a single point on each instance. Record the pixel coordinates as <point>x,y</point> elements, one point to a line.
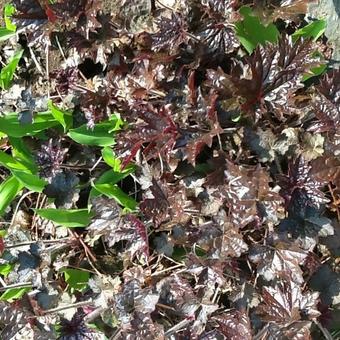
<point>167,269</point>
<point>22,244</point>
<point>38,66</point>
<point>60,48</point>
<point>96,164</point>
<point>86,248</point>
<point>2,282</point>
<point>18,205</point>
<point>172,260</point>
<point>75,167</point>
<point>88,253</point>
<point>116,334</point>
<point>165,6</point>
<point>216,294</point>
<point>93,315</point>
<point>177,327</point>
<point>47,70</point>
<point>334,201</point>
<point>160,305</point>
<point>324,331</point>
<point>16,285</point>
<point>73,305</point>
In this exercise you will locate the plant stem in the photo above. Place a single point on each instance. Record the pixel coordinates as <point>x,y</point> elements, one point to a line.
<point>72,305</point>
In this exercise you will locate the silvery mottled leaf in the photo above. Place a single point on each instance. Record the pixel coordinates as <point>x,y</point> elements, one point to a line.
<point>327,103</point>
<point>134,299</point>
<point>250,197</point>
<point>201,320</point>
<point>285,303</point>
<point>245,296</point>
<point>15,324</point>
<point>305,222</point>
<point>62,188</point>
<point>176,292</point>
<point>268,145</point>
<point>299,178</point>
<point>219,38</point>
<point>212,335</point>
<point>219,6</point>
<point>281,260</point>
<point>135,15</point>
<point>110,224</point>
<point>50,157</point>
<point>262,142</point>
<point>231,243</point>
<point>275,74</point>
<point>149,125</point>
<point>172,32</point>
<point>142,327</point>
<point>326,169</point>
<point>162,245</point>
<point>47,299</point>
<point>234,325</point>
<point>299,330</point>
<point>25,117</point>
<point>327,283</point>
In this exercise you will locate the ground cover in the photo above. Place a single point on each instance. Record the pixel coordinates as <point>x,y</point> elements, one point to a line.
<point>168,170</point>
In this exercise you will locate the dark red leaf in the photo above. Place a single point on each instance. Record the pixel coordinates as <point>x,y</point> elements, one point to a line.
<point>299,178</point>
<point>172,32</point>
<point>275,74</point>
<point>235,325</point>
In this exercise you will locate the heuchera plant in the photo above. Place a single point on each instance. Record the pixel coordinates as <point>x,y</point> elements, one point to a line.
<point>168,170</point>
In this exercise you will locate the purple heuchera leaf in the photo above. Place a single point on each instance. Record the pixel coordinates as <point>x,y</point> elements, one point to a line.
<point>327,103</point>
<point>155,129</point>
<point>299,178</point>
<point>172,32</point>
<point>114,227</point>
<point>285,303</point>
<point>234,325</point>
<point>275,73</point>
<point>50,158</point>
<point>219,38</point>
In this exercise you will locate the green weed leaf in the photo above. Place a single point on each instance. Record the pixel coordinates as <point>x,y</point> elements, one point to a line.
<point>6,34</point>
<point>14,294</point>
<point>9,10</point>
<point>115,192</point>
<point>315,71</point>
<point>63,117</point>
<point>21,153</point>
<point>75,278</point>
<point>7,72</point>
<point>30,181</point>
<point>110,159</point>
<point>6,268</point>
<point>100,135</point>
<point>8,190</point>
<point>11,126</point>
<point>10,163</point>
<point>251,32</point>
<point>313,30</point>
<point>22,173</point>
<point>71,218</point>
